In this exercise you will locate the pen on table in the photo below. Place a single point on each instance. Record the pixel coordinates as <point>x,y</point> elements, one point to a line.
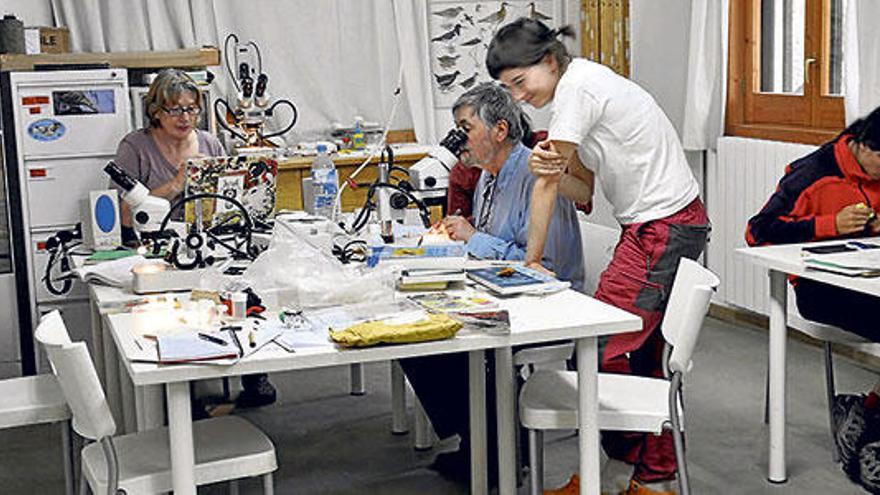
<point>212,339</point>
<point>234,337</point>
<point>251,341</point>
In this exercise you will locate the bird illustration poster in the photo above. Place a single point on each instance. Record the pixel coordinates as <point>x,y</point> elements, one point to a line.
<point>460,32</point>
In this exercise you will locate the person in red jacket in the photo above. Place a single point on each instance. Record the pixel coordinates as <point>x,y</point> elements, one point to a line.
<point>832,193</point>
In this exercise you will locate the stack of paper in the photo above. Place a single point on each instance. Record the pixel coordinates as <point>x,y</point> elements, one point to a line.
<point>436,257</point>
<point>192,347</point>
<point>861,263</point>
<point>465,302</point>
<point>116,273</point>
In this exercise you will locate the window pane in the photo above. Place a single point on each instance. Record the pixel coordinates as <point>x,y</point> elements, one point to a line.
<point>835,38</point>
<point>782,46</point>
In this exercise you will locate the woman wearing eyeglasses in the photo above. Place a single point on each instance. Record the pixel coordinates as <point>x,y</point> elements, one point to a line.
<point>157,155</point>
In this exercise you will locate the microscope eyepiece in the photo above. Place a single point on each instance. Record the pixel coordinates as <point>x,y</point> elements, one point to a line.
<point>454,141</point>
<point>119,176</point>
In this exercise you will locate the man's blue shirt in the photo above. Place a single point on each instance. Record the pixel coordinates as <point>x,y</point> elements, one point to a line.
<point>502,204</point>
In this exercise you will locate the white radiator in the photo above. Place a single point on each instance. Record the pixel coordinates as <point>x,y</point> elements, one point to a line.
<point>740,179</point>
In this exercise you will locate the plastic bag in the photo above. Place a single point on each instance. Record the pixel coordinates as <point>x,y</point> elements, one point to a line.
<point>293,272</point>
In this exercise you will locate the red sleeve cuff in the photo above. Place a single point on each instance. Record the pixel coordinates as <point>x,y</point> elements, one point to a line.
<point>826,226</point>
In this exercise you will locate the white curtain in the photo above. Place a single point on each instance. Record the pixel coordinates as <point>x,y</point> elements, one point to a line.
<point>334,59</point>
<point>707,75</point>
<point>136,25</point>
<point>861,46</point>
<point>411,22</point>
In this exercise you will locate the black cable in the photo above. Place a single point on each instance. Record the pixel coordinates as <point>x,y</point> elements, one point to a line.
<point>259,56</point>
<point>348,252</point>
<point>248,223</point>
<point>221,118</point>
<point>232,249</point>
<point>423,209</point>
<point>364,215</point>
<point>271,110</point>
<point>226,59</point>
<point>64,261</point>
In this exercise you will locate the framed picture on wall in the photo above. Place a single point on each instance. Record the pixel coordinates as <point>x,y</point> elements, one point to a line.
<point>460,32</point>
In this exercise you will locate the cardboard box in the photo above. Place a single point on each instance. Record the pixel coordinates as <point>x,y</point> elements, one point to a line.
<point>54,40</point>
<point>42,39</point>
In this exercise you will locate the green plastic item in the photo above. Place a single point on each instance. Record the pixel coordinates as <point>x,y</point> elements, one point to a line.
<point>110,255</point>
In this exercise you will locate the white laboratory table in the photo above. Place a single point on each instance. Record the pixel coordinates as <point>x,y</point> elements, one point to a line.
<point>780,261</point>
<point>565,315</point>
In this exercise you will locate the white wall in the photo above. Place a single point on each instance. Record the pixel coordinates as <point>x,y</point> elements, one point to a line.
<point>659,44</point>
<point>658,61</point>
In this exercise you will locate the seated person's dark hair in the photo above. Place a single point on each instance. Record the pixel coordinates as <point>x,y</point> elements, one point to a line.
<point>866,130</point>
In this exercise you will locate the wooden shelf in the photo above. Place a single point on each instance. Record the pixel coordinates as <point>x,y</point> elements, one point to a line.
<point>301,162</point>
<point>291,172</point>
<point>193,57</point>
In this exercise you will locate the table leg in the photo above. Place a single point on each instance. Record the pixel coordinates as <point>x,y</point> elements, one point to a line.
<point>506,415</point>
<point>778,294</point>
<point>356,372</point>
<point>150,407</point>
<point>424,432</point>
<point>111,375</point>
<point>127,397</point>
<point>399,424</point>
<point>97,337</point>
<point>180,437</point>
<point>477,401</point>
<point>588,415</point>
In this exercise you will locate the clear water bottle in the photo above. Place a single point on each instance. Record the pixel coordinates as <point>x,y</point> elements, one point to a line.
<point>324,183</point>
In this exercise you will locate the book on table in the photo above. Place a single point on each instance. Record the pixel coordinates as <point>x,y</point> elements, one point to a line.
<point>516,279</point>
<point>451,302</point>
<point>116,273</point>
<point>451,256</point>
<point>852,263</point>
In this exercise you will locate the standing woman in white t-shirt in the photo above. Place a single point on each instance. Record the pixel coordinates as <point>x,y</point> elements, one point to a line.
<point>607,126</point>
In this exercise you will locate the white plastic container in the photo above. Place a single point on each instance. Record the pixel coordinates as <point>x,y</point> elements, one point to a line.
<point>239,305</point>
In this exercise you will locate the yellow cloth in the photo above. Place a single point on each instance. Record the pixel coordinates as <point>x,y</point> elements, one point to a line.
<point>433,327</point>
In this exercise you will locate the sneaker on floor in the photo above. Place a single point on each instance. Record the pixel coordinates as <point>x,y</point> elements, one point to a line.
<point>848,421</point>
<point>869,467</point>
<point>636,488</point>
<point>573,487</point>
<point>258,392</point>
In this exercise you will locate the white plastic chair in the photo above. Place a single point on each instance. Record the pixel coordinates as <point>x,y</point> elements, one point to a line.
<point>226,448</point>
<point>828,335</point>
<point>549,399</point>
<point>33,400</point>
<point>598,243</point>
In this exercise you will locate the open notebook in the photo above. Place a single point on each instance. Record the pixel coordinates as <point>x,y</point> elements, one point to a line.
<point>116,273</point>
<point>195,347</point>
